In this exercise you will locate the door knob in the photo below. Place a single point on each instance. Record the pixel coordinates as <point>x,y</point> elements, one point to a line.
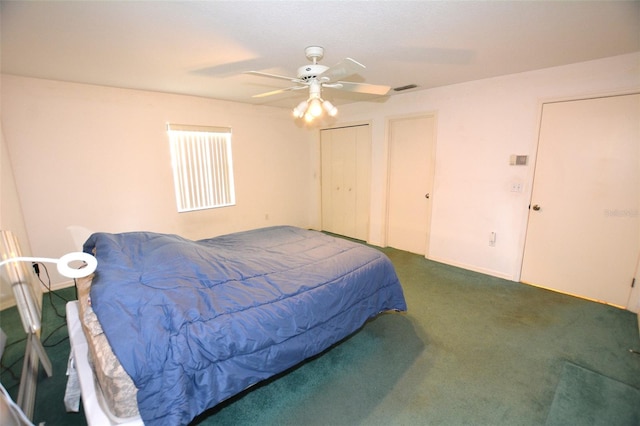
<point>536,207</point>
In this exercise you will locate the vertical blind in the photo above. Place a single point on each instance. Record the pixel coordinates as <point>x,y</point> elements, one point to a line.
<point>202,166</point>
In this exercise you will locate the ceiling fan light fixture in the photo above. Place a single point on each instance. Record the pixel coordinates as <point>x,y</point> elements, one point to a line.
<point>298,112</point>
<point>331,110</point>
<point>315,76</point>
<point>315,107</point>
<point>308,117</point>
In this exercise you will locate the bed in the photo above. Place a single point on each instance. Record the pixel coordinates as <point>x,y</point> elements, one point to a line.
<point>173,326</point>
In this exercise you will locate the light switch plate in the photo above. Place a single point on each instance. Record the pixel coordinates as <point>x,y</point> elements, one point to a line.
<point>518,160</point>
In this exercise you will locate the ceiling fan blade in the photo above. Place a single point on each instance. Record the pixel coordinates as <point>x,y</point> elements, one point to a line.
<point>275,92</point>
<point>281,77</point>
<point>342,69</point>
<point>370,89</point>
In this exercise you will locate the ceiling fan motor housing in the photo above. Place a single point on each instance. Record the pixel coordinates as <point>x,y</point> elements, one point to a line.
<point>308,72</point>
<point>315,76</point>
<point>314,53</point>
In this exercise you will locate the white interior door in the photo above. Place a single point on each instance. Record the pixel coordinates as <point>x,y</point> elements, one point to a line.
<point>583,236</point>
<point>411,167</point>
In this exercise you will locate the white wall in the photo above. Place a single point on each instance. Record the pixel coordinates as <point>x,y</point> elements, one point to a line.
<point>479,125</point>
<point>11,218</point>
<point>98,157</point>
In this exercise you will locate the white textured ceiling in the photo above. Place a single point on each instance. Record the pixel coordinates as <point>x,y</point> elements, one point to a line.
<point>203,47</point>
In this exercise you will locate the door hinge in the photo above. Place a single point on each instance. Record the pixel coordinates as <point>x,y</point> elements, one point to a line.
<point>633,282</point>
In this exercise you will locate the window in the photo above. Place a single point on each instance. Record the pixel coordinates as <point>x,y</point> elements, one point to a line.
<point>202,166</point>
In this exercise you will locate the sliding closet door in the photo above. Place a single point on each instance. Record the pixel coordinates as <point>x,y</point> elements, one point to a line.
<point>583,236</point>
<point>346,180</point>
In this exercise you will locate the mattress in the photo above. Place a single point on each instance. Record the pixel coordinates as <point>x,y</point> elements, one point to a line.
<point>210,318</point>
<point>115,385</point>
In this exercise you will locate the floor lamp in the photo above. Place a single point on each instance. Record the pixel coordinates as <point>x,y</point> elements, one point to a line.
<point>16,270</point>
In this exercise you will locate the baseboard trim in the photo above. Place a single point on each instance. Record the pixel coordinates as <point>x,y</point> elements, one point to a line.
<point>11,302</point>
<point>62,284</point>
<point>7,303</point>
<point>473,268</point>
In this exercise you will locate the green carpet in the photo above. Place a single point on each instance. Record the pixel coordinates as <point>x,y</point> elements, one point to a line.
<point>472,350</point>
<point>584,397</point>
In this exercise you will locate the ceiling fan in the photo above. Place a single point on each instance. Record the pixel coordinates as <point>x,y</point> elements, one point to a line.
<point>315,77</point>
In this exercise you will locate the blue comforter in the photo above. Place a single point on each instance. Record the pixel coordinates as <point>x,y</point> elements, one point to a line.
<point>195,322</point>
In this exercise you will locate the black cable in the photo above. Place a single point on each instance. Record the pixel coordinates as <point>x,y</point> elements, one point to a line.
<point>24,339</point>
<point>50,292</point>
<point>4,369</point>
<point>8,368</point>
<point>44,342</point>
<point>48,286</point>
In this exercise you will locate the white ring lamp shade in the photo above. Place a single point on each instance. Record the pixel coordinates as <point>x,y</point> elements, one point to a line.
<point>63,263</point>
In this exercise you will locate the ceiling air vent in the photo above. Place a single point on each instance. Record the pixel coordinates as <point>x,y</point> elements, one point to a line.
<point>407,87</point>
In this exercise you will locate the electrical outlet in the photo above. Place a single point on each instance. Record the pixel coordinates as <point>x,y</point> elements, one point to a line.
<point>516,187</point>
